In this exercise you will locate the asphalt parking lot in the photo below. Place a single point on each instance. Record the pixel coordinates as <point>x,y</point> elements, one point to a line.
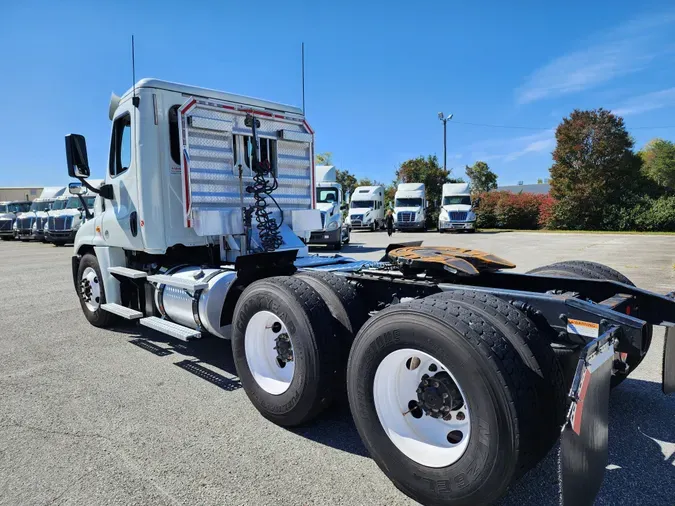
<point>126,416</point>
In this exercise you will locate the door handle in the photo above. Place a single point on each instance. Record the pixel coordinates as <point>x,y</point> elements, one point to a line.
<point>133,223</point>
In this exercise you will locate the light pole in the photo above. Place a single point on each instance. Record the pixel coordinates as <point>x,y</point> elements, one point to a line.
<point>445,119</point>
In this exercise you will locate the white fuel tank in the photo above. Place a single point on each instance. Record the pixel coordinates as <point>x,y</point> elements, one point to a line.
<point>202,311</point>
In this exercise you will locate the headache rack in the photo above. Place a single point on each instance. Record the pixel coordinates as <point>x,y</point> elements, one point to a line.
<point>214,143</point>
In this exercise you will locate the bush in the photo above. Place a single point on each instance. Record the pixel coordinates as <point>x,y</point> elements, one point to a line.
<point>657,215</point>
<point>513,210</point>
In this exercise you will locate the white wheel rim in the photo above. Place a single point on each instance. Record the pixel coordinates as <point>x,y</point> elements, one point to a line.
<point>260,341</point>
<point>91,289</point>
<point>426,440</point>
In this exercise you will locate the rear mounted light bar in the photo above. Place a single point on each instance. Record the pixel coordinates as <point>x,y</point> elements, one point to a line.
<point>289,135</point>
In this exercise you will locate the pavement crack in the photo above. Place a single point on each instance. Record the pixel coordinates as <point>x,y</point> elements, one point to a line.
<point>51,431</point>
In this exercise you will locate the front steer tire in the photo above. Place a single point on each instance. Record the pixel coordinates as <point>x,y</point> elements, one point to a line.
<point>99,317</point>
<point>315,349</point>
<point>490,372</point>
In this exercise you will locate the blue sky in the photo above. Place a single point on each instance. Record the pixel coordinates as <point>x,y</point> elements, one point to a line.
<point>377,74</point>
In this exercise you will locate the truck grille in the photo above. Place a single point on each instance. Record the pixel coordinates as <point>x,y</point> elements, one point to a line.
<point>5,224</point>
<point>60,223</point>
<point>25,223</point>
<point>41,223</point>
<point>405,216</point>
<point>458,215</point>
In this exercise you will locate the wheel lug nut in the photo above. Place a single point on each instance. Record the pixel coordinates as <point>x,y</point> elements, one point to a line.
<point>436,384</point>
<point>419,390</point>
<point>445,396</point>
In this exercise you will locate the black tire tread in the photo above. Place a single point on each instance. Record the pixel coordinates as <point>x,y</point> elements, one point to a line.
<point>325,344</point>
<point>508,366</point>
<point>535,352</point>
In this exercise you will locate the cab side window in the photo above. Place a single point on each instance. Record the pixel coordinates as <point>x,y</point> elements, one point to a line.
<point>120,146</point>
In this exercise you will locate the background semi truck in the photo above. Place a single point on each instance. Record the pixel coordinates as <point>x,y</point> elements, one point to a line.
<point>448,358</point>
<point>30,225</point>
<point>8,213</point>
<point>366,208</point>
<point>410,204</point>
<point>330,201</point>
<point>457,208</point>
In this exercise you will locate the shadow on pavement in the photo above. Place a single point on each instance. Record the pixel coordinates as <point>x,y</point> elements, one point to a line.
<point>641,432</point>
<point>641,453</point>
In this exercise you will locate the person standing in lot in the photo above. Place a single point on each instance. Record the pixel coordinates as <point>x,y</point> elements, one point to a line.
<point>389,221</point>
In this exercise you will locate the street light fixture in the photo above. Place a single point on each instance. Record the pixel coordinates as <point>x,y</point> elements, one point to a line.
<point>445,119</point>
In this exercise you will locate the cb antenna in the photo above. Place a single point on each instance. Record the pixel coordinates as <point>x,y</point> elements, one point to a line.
<point>134,100</point>
<point>303,78</point>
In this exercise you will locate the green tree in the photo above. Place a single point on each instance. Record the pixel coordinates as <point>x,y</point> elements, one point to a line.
<point>347,180</point>
<point>658,158</point>
<point>593,167</point>
<point>390,193</point>
<point>325,158</point>
<point>482,178</point>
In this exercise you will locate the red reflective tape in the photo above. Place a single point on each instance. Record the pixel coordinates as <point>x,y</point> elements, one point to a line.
<point>260,113</point>
<point>187,186</point>
<point>188,106</point>
<point>304,122</point>
<point>578,412</point>
<point>279,116</point>
<point>228,107</point>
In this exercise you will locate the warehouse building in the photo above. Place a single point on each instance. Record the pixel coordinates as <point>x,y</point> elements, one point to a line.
<point>19,193</point>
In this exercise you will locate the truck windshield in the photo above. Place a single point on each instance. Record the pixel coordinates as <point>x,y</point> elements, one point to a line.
<point>362,204</point>
<point>408,202</point>
<point>40,206</point>
<point>74,202</point>
<point>452,200</point>
<point>17,207</point>
<point>59,204</point>
<point>326,194</point>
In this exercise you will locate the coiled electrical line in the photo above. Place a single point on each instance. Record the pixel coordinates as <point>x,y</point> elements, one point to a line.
<point>264,183</point>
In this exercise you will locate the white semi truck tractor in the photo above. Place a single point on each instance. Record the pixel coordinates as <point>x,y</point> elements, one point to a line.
<point>199,229</point>
<point>30,224</point>
<point>457,208</point>
<point>329,200</point>
<point>410,205</point>
<point>366,208</point>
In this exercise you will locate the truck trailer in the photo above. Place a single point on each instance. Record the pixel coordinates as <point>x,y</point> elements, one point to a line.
<point>410,205</point>
<point>329,200</point>
<point>460,374</point>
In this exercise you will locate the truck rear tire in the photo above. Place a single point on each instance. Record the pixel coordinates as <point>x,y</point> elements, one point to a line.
<point>546,375</point>
<point>91,292</point>
<point>472,453</point>
<point>6,237</point>
<point>594,270</point>
<point>285,350</point>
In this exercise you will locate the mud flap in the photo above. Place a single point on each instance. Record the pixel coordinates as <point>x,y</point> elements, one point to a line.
<point>669,360</point>
<point>583,444</point>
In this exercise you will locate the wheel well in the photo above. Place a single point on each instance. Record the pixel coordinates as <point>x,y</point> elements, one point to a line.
<point>84,249</point>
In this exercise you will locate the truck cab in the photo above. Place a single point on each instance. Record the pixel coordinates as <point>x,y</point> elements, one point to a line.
<point>410,205</point>
<point>457,208</point>
<point>30,225</point>
<point>66,217</point>
<point>329,200</point>
<point>8,213</point>
<point>366,209</point>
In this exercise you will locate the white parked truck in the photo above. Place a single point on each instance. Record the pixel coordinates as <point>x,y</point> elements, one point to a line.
<point>30,225</point>
<point>452,381</point>
<point>366,209</point>
<point>329,200</point>
<point>8,213</point>
<point>457,208</point>
<point>67,216</point>
<point>410,204</point>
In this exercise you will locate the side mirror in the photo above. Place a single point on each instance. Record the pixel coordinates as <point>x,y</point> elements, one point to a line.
<point>76,156</point>
<point>76,189</point>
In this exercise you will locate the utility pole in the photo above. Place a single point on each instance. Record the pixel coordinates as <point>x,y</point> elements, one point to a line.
<point>445,119</point>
